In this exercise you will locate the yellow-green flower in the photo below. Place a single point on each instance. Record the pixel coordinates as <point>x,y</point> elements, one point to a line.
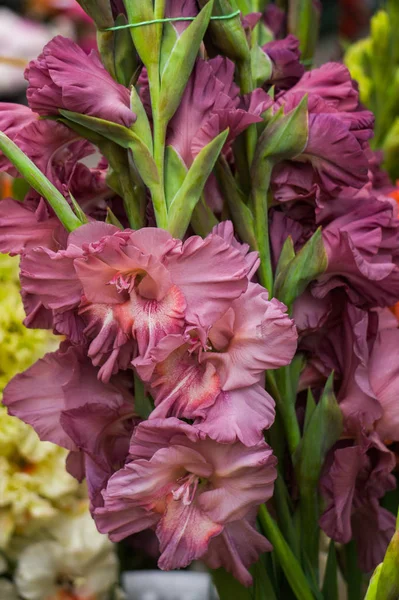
<point>34,485</point>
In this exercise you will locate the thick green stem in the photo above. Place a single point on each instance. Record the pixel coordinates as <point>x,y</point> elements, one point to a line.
<point>246,85</point>
<point>158,192</point>
<point>40,183</point>
<point>261,223</point>
<point>291,567</point>
<point>287,412</point>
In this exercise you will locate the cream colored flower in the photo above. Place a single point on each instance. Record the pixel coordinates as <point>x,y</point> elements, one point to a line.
<point>76,562</point>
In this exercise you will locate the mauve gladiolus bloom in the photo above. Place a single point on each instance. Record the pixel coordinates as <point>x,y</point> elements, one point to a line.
<point>356,477</point>
<point>337,149</point>
<point>62,398</point>
<point>198,494</point>
<point>64,77</point>
<point>217,106</point>
<point>284,55</point>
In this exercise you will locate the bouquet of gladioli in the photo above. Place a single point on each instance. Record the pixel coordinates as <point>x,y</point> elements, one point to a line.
<point>203,220</point>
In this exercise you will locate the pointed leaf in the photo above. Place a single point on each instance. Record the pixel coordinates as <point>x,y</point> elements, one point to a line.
<point>78,210</point>
<point>240,212</point>
<point>169,39</point>
<point>286,256</point>
<point>100,11</point>
<point>175,173</point>
<point>309,263</point>
<point>330,583</point>
<point>388,583</point>
<point>291,567</point>
<point>181,62</point>
<point>123,137</point>
<point>113,219</point>
<point>373,585</point>
<point>141,127</point>
<point>39,182</point>
<point>228,35</point>
<point>323,430</point>
<point>261,66</point>
<point>310,408</point>
<point>125,56</point>
<point>184,202</point>
<point>284,137</point>
<point>146,38</point>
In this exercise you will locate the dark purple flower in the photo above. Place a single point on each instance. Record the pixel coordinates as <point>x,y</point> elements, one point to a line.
<point>64,77</point>
<point>287,68</point>
<point>356,476</point>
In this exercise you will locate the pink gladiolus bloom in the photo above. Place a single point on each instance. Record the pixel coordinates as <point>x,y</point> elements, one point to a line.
<point>198,494</point>
<point>65,77</point>
<point>127,290</point>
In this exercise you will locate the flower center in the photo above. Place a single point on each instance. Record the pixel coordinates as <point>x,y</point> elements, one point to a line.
<point>127,280</point>
<point>187,490</point>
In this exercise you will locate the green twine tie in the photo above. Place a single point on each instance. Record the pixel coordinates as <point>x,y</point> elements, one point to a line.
<point>170,20</point>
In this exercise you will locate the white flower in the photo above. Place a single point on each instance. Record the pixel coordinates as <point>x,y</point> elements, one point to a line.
<point>77,560</point>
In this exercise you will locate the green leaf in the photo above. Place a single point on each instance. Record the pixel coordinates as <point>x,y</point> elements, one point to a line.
<point>142,402</point>
<point>113,219</point>
<point>310,408</point>
<point>284,137</point>
<point>353,575</point>
<point>371,593</point>
<point>184,202</point>
<point>228,587</point>
<point>175,173</point>
<point>203,219</point>
<point>125,138</point>
<point>146,38</point>
<point>125,56</point>
<point>310,262</point>
<point>388,582</point>
<point>100,11</point>
<point>180,63</point>
<point>303,22</point>
<point>78,210</point>
<point>286,256</point>
<point>261,66</point>
<point>141,127</point>
<point>39,182</point>
<point>169,39</point>
<point>240,213</point>
<point>330,583</point>
<point>228,35</point>
<point>291,567</point>
<point>323,430</point>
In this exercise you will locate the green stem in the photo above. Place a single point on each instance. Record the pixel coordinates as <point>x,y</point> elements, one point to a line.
<point>261,222</point>
<point>246,85</point>
<point>287,412</point>
<point>291,567</point>
<point>158,192</point>
<point>40,183</point>
<point>262,237</point>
